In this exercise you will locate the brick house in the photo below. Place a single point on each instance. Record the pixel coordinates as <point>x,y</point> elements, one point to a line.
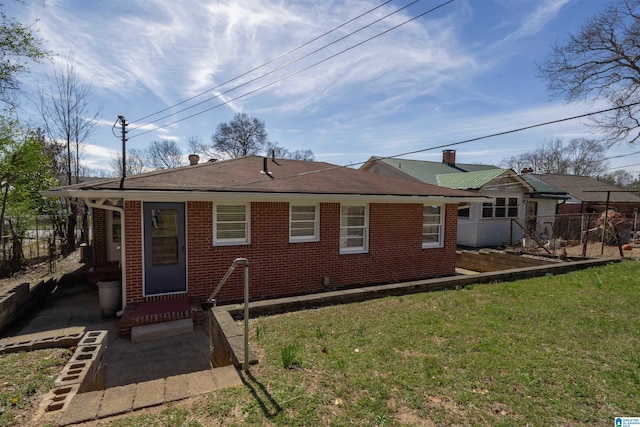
<point>304,226</point>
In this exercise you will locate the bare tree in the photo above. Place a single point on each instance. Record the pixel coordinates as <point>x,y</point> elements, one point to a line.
<point>280,152</point>
<point>581,156</point>
<point>64,107</point>
<point>601,60</point>
<point>619,178</point>
<point>137,161</point>
<point>242,136</point>
<point>164,154</point>
<point>197,146</point>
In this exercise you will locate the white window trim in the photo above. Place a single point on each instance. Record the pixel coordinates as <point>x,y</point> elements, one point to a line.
<point>316,224</point>
<point>365,248</point>
<point>440,242</point>
<point>247,228</point>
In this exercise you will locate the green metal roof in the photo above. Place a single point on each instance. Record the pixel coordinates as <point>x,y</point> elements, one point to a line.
<point>544,189</point>
<point>427,171</point>
<point>469,180</point>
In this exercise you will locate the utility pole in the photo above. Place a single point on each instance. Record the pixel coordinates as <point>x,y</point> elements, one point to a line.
<point>123,128</point>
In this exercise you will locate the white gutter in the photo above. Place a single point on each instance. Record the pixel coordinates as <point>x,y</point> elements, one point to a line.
<point>123,258</point>
<point>179,195</point>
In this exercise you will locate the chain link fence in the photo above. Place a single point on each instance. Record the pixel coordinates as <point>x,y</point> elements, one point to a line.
<point>38,241</point>
<point>589,235</point>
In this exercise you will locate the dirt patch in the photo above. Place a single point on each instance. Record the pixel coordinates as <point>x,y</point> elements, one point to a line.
<point>38,272</point>
<point>594,250</point>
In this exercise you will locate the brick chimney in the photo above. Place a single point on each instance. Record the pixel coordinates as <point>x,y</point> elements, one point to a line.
<point>193,159</point>
<point>449,157</point>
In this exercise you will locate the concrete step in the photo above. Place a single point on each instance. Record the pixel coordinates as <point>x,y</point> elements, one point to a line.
<point>161,330</point>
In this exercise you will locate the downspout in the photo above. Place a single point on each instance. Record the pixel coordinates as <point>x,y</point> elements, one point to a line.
<point>123,258</point>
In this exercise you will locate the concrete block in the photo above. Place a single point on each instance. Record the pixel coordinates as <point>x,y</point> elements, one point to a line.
<point>94,338</point>
<point>161,330</point>
<point>149,393</point>
<point>59,398</point>
<point>200,382</point>
<point>176,388</point>
<point>117,400</point>
<point>83,407</point>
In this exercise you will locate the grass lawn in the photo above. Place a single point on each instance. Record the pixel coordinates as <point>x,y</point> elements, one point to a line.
<point>24,377</point>
<point>555,351</point>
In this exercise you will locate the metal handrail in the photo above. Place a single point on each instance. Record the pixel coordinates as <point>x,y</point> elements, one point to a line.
<point>236,262</point>
<point>245,263</point>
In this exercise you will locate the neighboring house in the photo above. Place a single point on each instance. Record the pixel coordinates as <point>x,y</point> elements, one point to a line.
<point>589,195</point>
<point>304,226</point>
<point>419,170</point>
<point>512,203</point>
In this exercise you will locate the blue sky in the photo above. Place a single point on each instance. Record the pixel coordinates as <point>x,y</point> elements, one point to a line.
<point>466,70</point>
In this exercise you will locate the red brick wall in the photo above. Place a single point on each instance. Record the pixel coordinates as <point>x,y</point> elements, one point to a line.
<point>133,248</point>
<point>99,218</point>
<point>279,268</point>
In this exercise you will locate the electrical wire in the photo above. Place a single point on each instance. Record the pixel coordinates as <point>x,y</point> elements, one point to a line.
<point>266,63</point>
<point>466,141</point>
<point>276,69</point>
<point>296,72</point>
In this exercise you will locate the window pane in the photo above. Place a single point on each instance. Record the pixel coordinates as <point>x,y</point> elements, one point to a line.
<point>115,227</point>
<point>303,222</point>
<point>430,238</point>
<point>513,207</point>
<point>353,227</point>
<point>487,210</point>
<point>164,236</point>
<point>464,210</point>
<point>431,223</point>
<point>231,222</point>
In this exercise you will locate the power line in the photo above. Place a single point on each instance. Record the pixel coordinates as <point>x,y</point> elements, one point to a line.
<point>297,72</point>
<point>466,141</point>
<point>274,70</point>
<point>266,63</point>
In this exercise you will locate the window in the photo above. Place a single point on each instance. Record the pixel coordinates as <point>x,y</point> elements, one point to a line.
<point>501,209</point>
<point>431,226</point>
<point>353,228</point>
<point>464,210</point>
<point>512,211</point>
<point>303,223</point>
<point>231,224</point>
<point>487,210</point>
<point>505,207</point>
<point>113,235</point>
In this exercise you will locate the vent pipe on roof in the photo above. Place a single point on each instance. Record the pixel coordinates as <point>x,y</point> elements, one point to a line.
<point>265,169</point>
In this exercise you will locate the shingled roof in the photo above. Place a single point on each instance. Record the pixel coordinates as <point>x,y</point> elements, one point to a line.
<point>587,189</point>
<point>248,175</point>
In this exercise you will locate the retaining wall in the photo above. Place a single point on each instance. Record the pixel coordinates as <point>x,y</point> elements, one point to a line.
<point>486,261</point>
<point>21,298</point>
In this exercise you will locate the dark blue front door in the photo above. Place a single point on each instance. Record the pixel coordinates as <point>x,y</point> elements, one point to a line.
<point>164,249</point>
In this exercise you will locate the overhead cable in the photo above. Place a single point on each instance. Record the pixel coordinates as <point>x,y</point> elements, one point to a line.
<point>326,33</point>
<point>296,72</point>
